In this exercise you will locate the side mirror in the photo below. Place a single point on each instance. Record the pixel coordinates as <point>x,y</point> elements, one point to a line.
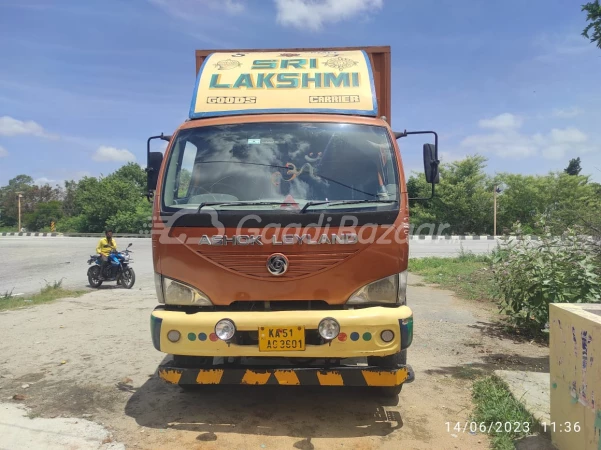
<point>155,159</point>
<point>130,244</point>
<point>431,161</point>
<point>431,164</point>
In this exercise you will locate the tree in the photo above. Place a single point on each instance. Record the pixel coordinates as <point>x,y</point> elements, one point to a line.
<point>524,197</point>
<point>463,199</point>
<point>68,198</point>
<point>8,198</point>
<point>43,215</point>
<point>131,172</point>
<point>20,182</point>
<point>593,15</point>
<point>101,199</point>
<point>132,221</point>
<point>573,167</point>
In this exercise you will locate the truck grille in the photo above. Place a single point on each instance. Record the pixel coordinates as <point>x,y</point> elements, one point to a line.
<point>282,305</point>
<point>254,264</point>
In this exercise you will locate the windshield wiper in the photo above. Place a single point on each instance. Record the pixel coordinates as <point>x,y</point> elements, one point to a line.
<point>308,204</point>
<point>251,203</point>
<point>342,202</point>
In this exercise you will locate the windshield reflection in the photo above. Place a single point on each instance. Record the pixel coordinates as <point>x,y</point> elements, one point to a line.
<point>267,163</point>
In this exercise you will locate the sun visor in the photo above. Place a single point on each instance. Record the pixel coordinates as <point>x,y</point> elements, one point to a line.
<point>273,82</point>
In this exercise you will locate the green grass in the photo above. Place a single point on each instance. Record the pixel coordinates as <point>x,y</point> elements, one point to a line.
<point>468,275</point>
<point>495,403</point>
<point>49,293</point>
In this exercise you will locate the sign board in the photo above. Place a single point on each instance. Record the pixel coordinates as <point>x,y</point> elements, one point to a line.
<point>336,82</point>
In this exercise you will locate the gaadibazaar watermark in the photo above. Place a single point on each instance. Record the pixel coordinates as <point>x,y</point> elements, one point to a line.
<point>253,230</point>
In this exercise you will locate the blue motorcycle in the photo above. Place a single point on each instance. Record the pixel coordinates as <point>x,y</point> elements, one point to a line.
<point>118,269</point>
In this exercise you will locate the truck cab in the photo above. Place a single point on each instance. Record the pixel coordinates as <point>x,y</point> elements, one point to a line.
<point>280,224</point>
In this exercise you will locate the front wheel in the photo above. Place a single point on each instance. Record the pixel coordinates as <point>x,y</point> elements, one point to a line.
<point>391,391</point>
<point>128,278</point>
<point>389,362</point>
<point>94,276</point>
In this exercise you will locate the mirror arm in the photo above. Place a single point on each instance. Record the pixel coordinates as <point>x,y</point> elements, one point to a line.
<point>402,134</point>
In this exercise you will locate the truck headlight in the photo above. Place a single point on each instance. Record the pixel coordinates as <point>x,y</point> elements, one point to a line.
<point>177,293</point>
<point>225,329</point>
<point>328,328</point>
<point>389,290</point>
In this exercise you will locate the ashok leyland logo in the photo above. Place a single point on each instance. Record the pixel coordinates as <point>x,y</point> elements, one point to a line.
<point>277,264</point>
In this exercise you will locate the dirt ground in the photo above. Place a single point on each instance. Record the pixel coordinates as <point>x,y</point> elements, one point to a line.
<point>92,358</point>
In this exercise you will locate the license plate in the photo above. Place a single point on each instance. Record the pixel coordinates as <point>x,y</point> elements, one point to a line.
<point>281,339</point>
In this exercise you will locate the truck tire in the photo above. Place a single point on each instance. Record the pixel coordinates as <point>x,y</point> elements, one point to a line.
<point>389,361</point>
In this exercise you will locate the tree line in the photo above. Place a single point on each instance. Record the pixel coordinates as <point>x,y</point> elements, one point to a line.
<point>89,205</point>
<point>464,200</point>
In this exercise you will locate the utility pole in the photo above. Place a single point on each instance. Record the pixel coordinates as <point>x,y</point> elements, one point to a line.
<point>19,196</point>
<point>495,192</point>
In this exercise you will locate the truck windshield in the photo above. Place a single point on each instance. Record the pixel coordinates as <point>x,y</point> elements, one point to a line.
<point>264,166</point>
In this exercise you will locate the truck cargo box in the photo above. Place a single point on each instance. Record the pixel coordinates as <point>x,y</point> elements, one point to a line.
<point>379,58</point>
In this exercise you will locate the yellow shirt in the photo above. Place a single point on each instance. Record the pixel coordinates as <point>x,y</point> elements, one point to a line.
<point>104,248</point>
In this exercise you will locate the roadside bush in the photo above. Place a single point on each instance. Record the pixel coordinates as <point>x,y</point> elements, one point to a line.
<point>532,274</point>
<point>132,221</point>
<point>73,224</point>
<point>43,215</point>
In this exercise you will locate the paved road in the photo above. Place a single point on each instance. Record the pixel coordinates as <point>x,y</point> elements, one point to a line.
<point>27,263</point>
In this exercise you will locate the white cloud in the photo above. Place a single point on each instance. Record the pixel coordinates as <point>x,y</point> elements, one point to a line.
<point>505,144</point>
<point>569,135</point>
<point>567,113</point>
<point>3,152</point>
<point>449,157</point>
<point>505,121</point>
<point>43,180</point>
<point>313,14</point>
<point>10,126</point>
<point>507,141</point>
<point>194,9</point>
<point>104,154</point>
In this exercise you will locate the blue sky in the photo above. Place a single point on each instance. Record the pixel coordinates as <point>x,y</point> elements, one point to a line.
<point>83,84</point>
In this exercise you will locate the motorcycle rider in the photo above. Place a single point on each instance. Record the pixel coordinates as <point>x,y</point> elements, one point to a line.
<point>105,246</point>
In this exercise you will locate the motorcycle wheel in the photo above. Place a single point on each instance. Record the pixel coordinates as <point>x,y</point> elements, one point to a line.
<point>94,276</point>
<point>128,278</point>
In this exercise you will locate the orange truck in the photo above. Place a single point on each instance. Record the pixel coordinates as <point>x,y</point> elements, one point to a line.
<point>281,223</point>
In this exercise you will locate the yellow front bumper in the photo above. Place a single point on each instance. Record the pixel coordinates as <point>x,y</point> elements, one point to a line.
<point>360,327</point>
